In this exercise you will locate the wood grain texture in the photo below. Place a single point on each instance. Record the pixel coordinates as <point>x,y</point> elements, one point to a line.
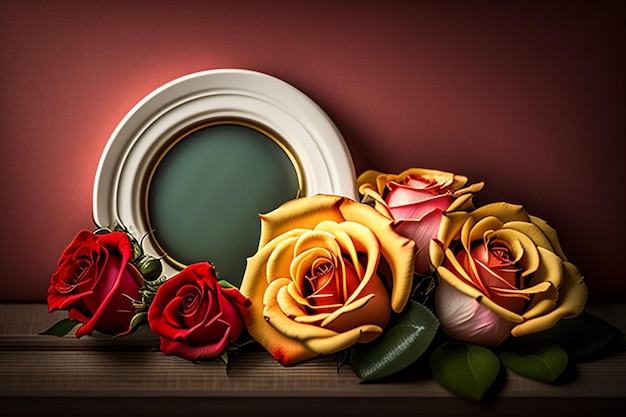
<point>130,374</point>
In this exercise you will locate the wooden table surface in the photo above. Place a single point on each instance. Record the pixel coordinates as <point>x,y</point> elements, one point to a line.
<point>98,376</point>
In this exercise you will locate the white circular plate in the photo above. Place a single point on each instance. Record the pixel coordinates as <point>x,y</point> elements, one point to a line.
<point>151,128</point>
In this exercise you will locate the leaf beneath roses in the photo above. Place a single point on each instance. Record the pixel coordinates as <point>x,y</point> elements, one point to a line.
<point>580,336</point>
<point>464,369</point>
<point>545,363</point>
<point>398,347</point>
<point>60,328</point>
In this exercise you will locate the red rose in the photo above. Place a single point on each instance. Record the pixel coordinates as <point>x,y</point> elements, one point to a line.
<point>194,316</point>
<point>92,281</point>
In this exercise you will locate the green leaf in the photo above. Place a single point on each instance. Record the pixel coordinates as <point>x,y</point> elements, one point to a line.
<point>464,369</point>
<point>398,347</point>
<point>580,336</point>
<point>545,363</point>
<point>61,328</point>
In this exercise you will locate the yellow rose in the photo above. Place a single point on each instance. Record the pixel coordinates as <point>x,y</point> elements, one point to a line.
<point>314,282</point>
<point>416,199</point>
<point>501,272</point>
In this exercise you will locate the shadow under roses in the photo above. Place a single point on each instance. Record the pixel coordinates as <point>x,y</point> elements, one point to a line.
<point>143,340</point>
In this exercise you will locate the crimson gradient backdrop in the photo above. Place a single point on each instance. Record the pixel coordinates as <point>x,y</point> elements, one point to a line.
<point>526,96</point>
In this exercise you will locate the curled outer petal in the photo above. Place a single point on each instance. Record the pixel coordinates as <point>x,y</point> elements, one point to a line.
<point>396,249</point>
<point>378,180</point>
<point>572,298</point>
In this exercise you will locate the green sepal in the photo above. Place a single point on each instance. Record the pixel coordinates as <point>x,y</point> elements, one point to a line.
<point>60,328</point>
<point>233,347</point>
<point>139,319</point>
<point>464,369</point>
<point>544,363</point>
<point>225,284</point>
<point>137,249</point>
<point>581,336</point>
<point>224,357</point>
<point>149,267</point>
<point>398,347</point>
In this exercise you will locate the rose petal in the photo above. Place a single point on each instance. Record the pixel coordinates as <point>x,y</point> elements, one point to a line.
<point>550,234</point>
<point>117,242</point>
<point>461,202</point>
<point>542,303</point>
<point>235,296</point>
<point>533,232</point>
<point>418,211</point>
<point>342,341</point>
<point>345,243</point>
<point>371,196</point>
<point>316,239</point>
<point>294,293</point>
<point>522,247</point>
<point>191,352</point>
<point>303,265</point>
<point>397,250</point>
<point>421,232</point>
<point>550,269</point>
<point>572,299</point>
<point>505,212</point>
<point>369,179</point>
<point>315,319</point>
<point>348,308</point>
<point>299,213</point>
<point>464,318</point>
<point>279,260</point>
<point>402,195</point>
<point>287,327</point>
<point>286,351</point>
<point>288,305</point>
<point>374,308</point>
<point>450,228</point>
<point>365,241</point>
<point>474,293</point>
<point>447,179</point>
<point>463,267</point>
<point>467,191</point>
<point>474,230</point>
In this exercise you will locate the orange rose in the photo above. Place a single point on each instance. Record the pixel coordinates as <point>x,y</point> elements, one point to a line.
<point>501,272</point>
<point>314,282</point>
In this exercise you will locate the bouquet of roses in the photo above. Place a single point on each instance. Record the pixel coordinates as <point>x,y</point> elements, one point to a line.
<point>411,271</point>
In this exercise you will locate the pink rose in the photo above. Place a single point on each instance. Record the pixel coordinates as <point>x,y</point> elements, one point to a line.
<point>502,272</point>
<point>416,199</point>
<point>92,281</point>
<point>194,316</point>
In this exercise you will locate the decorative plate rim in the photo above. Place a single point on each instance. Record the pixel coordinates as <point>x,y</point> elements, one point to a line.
<point>225,94</point>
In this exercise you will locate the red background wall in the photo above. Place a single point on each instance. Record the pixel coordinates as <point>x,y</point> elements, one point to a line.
<point>527,96</point>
